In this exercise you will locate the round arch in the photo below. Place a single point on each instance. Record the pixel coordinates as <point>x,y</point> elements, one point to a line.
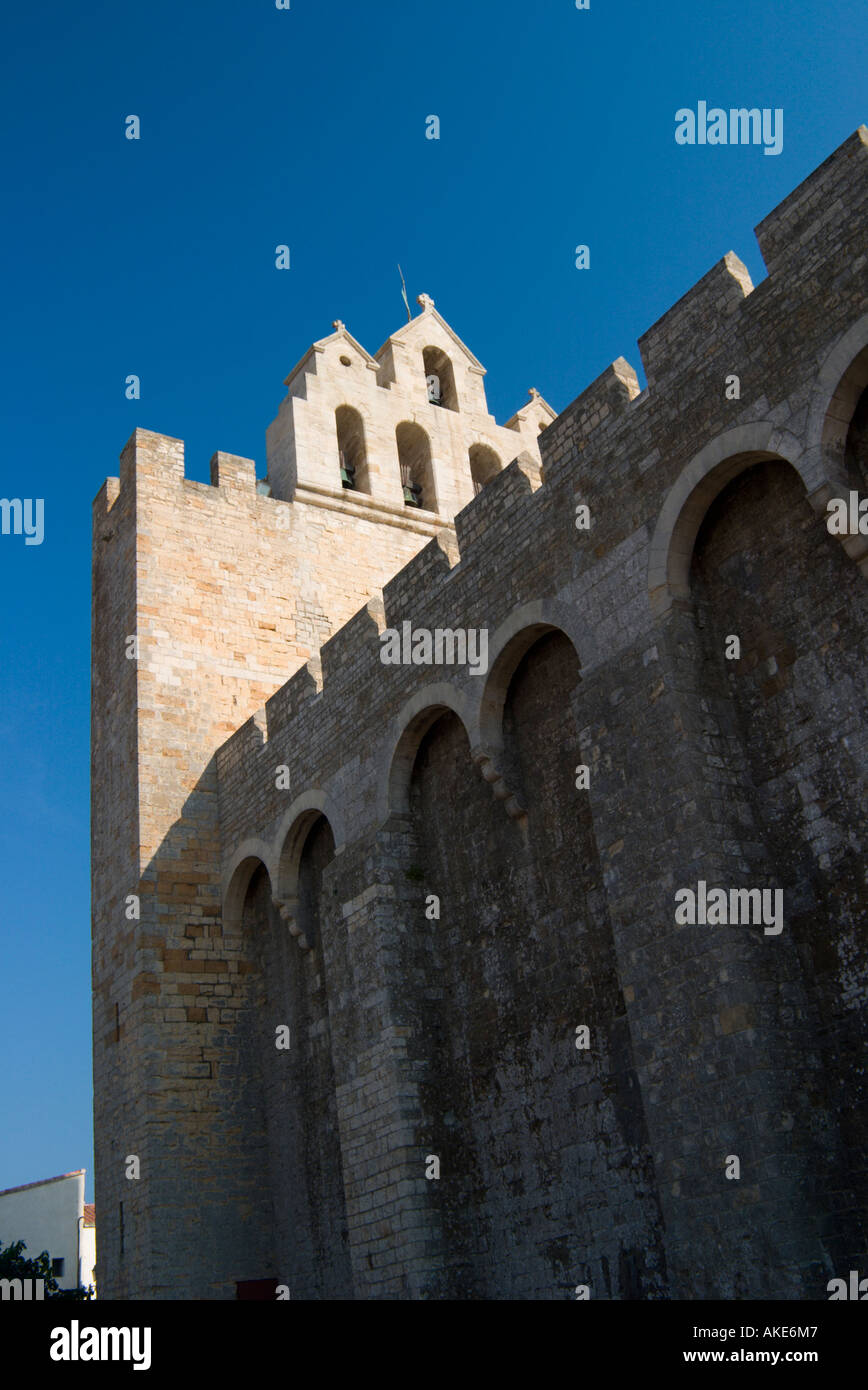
<point>415,465</point>
<point>351,431</point>
<point>291,835</point>
<point>437,364</point>
<point>511,642</point>
<point>251,855</point>
<point>485,464</point>
<point>842,378</point>
<point>409,727</point>
<point>693,492</point>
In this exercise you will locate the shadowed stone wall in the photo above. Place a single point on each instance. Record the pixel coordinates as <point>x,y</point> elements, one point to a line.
<point>306,898</point>
<point>523,955</point>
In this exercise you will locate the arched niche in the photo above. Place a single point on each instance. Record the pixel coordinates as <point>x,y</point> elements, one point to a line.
<point>414,461</point>
<point>352,450</point>
<point>843,407</point>
<point>484,465</point>
<point>249,857</point>
<point>317,852</point>
<point>783,723</point>
<point>842,378</point>
<point>290,841</point>
<point>520,954</point>
<point>410,727</point>
<point>283,1081</point>
<point>508,645</point>
<point>691,495</point>
<point>439,378</point>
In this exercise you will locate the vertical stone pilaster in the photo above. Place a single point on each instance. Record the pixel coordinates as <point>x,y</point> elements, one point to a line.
<point>394,1232</point>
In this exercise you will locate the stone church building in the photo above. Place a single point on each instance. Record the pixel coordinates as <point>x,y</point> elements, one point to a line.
<point>395,990</point>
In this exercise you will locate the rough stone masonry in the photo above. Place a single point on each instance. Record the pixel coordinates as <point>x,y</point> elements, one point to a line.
<point>390,995</point>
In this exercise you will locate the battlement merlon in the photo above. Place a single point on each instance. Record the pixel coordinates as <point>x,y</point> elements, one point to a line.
<point>613,392</point>
<point>260,741</point>
<point>795,233</point>
<point>231,471</point>
<point>105,499</point>
<point>294,695</point>
<point>414,586</point>
<point>671,341</point>
<point>158,459</point>
<point>477,526</point>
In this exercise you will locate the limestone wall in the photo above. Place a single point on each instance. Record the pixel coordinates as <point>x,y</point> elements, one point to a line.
<point>454,1037</point>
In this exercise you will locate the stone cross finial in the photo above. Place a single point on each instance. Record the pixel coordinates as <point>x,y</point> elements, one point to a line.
<point>533,393</point>
<point>339,325</point>
<point>426,301</point>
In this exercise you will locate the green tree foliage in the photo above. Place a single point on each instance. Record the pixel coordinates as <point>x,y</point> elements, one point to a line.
<point>13,1265</point>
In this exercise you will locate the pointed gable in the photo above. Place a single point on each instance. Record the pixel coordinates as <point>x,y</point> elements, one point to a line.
<point>414,333</point>
<point>340,337</point>
<point>536,413</point>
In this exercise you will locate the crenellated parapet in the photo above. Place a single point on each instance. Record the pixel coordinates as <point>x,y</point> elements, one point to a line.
<point>824,209</point>
<point>646,463</point>
<point>683,334</point>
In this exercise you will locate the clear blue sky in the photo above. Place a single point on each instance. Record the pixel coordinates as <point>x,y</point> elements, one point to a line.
<point>156,257</point>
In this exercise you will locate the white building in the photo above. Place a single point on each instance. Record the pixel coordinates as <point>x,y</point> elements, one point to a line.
<point>52,1215</point>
